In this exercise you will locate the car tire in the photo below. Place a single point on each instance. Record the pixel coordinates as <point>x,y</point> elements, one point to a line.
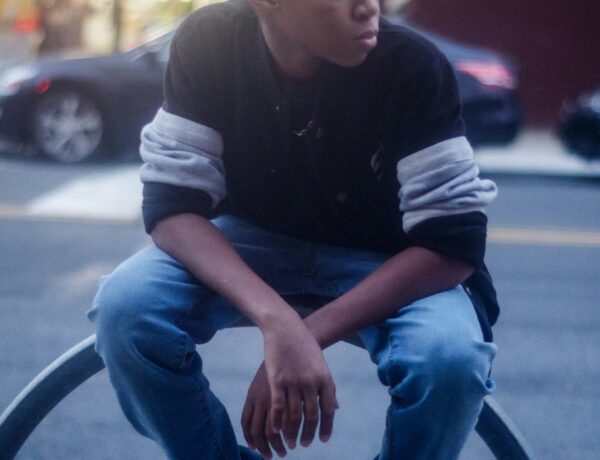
<point>67,127</point>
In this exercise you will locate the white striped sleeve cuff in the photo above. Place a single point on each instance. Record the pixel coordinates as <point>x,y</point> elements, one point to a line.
<point>180,152</point>
<point>441,180</point>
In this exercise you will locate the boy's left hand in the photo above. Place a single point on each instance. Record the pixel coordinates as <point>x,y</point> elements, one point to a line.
<point>256,422</point>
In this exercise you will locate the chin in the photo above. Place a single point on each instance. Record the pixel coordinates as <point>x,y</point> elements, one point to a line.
<point>351,61</point>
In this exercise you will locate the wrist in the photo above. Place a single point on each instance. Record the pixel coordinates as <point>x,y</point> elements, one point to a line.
<point>276,318</point>
<point>318,330</point>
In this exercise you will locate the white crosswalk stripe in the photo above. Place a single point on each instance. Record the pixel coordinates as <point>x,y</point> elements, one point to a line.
<point>113,195</point>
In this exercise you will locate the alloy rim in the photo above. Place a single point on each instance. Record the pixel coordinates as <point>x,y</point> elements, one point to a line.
<point>68,127</point>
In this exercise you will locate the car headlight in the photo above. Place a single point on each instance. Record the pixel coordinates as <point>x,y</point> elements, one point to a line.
<point>12,79</point>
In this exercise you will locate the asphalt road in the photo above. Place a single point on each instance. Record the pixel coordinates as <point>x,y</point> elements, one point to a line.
<point>544,251</point>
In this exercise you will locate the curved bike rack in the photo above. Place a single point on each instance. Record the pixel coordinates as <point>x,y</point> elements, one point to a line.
<point>81,362</point>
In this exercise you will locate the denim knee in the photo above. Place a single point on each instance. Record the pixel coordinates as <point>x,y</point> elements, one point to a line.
<point>442,364</point>
<point>131,324</point>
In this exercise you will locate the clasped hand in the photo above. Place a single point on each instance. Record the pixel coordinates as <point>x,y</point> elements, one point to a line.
<point>293,384</point>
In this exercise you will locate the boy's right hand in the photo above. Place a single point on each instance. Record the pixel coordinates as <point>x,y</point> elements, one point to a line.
<point>300,382</point>
<point>298,377</point>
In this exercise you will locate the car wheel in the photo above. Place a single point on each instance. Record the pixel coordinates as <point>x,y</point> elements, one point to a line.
<point>67,127</point>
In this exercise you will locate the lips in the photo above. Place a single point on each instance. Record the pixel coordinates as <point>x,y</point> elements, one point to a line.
<point>367,35</point>
<point>367,40</point>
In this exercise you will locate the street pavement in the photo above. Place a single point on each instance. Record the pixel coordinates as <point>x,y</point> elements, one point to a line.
<point>543,252</point>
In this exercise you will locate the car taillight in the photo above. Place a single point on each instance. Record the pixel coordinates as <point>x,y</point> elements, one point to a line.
<point>43,86</point>
<point>489,73</point>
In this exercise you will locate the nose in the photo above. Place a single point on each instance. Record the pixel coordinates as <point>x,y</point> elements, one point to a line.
<point>365,9</point>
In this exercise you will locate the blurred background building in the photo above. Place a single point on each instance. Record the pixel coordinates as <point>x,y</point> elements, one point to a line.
<point>555,43</point>
<point>92,26</point>
<point>19,24</point>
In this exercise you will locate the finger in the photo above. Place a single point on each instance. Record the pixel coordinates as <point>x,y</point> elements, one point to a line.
<point>293,417</point>
<point>257,431</point>
<point>328,404</point>
<point>278,407</point>
<point>311,418</point>
<point>247,423</point>
<point>274,439</point>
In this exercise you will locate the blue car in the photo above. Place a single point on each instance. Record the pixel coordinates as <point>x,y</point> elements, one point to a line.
<point>70,110</point>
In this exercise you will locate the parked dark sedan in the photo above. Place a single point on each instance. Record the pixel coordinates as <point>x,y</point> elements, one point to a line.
<point>72,109</point>
<point>579,127</point>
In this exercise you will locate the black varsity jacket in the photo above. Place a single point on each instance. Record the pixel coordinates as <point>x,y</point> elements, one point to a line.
<point>385,164</point>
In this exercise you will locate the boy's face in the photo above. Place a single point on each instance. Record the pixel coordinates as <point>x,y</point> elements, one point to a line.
<point>338,31</point>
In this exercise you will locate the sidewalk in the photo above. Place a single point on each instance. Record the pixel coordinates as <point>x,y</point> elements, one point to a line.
<point>535,152</point>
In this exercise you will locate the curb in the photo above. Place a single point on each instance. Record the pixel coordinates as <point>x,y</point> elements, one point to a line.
<point>535,152</point>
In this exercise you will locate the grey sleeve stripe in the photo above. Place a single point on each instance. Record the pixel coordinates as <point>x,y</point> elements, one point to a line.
<point>180,152</point>
<point>441,180</point>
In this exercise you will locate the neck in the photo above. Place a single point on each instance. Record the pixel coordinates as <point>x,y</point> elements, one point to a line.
<point>292,62</point>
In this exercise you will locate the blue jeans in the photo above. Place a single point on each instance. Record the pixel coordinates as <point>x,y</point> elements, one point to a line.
<point>150,314</point>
